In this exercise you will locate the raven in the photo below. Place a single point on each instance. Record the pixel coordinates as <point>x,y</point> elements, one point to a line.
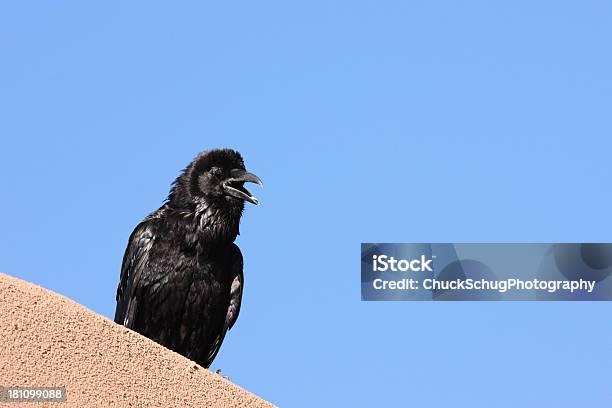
<point>181,277</point>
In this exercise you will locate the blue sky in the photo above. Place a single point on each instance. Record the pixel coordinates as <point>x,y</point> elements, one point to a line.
<point>421,121</point>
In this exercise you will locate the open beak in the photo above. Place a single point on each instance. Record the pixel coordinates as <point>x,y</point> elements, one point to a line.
<point>234,185</point>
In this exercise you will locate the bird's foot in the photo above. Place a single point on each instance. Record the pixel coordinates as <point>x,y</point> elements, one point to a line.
<point>218,371</point>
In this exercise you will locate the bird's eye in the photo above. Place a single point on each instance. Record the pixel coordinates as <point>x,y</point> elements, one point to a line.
<point>215,171</point>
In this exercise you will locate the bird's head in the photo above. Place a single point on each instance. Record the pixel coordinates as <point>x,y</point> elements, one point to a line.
<point>216,176</point>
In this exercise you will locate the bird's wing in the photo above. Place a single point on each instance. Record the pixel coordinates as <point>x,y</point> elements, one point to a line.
<point>236,288</point>
<point>134,265</point>
<point>235,300</point>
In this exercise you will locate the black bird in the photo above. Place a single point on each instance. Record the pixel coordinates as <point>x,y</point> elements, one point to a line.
<point>181,277</point>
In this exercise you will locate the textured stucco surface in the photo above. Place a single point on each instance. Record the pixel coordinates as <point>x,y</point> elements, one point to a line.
<point>49,340</point>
